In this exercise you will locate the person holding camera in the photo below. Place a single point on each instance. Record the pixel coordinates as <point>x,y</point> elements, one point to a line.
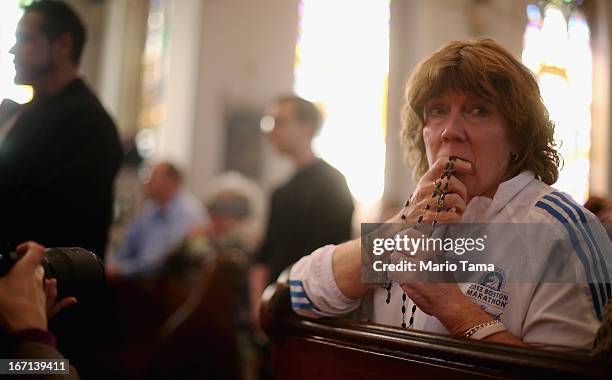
<point>27,300</point>
<point>59,155</point>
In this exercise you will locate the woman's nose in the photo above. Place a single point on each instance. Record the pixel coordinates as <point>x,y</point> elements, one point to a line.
<point>454,128</point>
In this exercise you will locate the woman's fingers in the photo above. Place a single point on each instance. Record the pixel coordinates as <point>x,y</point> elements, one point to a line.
<point>443,217</point>
<point>431,190</point>
<point>452,202</point>
<point>444,163</point>
<point>454,186</point>
<point>443,209</point>
<point>441,192</point>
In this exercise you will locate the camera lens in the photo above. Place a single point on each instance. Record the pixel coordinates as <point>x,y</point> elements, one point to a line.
<point>77,270</point>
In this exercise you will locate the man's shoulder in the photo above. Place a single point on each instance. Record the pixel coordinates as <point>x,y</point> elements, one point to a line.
<point>82,107</point>
<point>188,204</point>
<point>89,101</point>
<point>326,167</point>
<point>326,174</point>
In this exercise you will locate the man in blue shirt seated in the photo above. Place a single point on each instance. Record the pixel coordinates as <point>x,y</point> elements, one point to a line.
<point>169,215</point>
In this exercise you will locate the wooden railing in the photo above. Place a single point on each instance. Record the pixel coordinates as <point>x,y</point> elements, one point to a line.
<point>338,349</point>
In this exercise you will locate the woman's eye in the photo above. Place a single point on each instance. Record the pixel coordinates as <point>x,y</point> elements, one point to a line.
<point>435,111</point>
<point>479,111</point>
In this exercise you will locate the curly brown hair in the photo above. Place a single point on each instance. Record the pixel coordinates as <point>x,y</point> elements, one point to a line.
<point>483,68</point>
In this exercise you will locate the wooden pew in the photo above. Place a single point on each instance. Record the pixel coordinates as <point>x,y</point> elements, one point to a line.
<point>339,349</point>
<point>182,326</point>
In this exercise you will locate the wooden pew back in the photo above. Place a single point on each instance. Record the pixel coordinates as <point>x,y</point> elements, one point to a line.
<point>343,349</point>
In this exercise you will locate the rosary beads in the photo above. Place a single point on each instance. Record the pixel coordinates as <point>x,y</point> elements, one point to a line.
<point>440,190</point>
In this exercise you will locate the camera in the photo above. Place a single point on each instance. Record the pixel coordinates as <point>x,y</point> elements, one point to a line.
<point>77,270</point>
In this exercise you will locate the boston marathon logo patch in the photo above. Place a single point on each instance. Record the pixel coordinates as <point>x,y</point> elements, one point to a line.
<point>488,292</point>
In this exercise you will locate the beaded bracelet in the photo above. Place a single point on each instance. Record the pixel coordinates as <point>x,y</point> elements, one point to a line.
<point>485,329</point>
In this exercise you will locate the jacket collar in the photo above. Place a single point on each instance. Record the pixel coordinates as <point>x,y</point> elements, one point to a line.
<point>481,208</point>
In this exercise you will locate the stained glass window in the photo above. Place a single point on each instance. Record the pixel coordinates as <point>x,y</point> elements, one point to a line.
<point>342,64</point>
<point>154,62</point>
<point>557,49</point>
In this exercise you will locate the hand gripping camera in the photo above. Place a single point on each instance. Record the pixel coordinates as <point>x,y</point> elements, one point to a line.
<point>77,270</point>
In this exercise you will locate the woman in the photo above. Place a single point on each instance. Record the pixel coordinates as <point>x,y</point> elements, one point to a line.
<point>474,119</point>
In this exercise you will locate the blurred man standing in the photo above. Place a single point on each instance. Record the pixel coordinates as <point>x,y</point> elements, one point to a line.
<point>59,153</point>
<point>312,209</point>
<point>168,217</point>
<point>58,158</point>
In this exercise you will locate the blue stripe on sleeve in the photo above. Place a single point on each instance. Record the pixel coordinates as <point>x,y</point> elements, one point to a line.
<point>301,294</point>
<point>596,263</point>
<point>579,252</point>
<point>584,220</point>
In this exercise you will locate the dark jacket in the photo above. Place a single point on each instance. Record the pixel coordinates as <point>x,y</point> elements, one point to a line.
<point>57,166</point>
<point>313,209</point>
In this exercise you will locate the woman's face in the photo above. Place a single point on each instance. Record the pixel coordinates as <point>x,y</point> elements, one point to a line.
<point>472,129</point>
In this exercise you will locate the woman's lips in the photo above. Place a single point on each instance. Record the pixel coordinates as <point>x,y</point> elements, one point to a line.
<point>460,158</point>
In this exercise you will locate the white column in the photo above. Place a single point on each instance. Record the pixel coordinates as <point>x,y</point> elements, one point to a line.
<point>601,137</point>
<point>181,80</point>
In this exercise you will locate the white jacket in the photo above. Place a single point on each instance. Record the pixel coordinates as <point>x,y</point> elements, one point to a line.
<point>547,314</point>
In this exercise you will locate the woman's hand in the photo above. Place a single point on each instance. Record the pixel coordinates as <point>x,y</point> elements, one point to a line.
<point>454,310</point>
<point>444,301</point>
<point>424,201</point>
